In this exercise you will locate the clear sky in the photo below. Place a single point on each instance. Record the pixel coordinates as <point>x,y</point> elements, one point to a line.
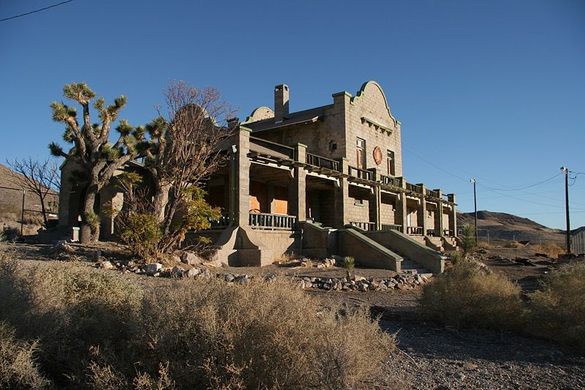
<point>488,89</point>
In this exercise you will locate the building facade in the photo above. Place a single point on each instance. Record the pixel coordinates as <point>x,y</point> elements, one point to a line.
<point>334,166</point>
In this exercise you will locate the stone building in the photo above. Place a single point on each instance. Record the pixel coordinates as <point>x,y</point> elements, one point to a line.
<point>324,181</point>
<point>319,182</point>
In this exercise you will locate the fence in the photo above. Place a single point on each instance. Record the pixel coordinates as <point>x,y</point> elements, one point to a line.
<point>20,207</point>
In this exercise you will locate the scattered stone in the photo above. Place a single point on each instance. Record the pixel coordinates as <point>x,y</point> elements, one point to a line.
<point>152,268</point>
<point>105,265</point>
<point>177,272</point>
<point>229,278</point>
<point>193,272</point>
<point>468,366</point>
<point>191,258</point>
<point>242,279</point>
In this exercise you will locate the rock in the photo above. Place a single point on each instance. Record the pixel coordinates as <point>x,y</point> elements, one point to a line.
<point>176,258</point>
<point>191,258</point>
<point>177,272</point>
<point>229,278</point>
<point>105,265</point>
<point>152,268</point>
<point>468,366</point>
<point>95,255</point>
<point>242,279</point>
<point>193,272</point>
<point>460,375</point>
<point>270,278</point>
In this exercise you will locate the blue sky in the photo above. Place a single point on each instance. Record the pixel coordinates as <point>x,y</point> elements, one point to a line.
<point>487,89</point>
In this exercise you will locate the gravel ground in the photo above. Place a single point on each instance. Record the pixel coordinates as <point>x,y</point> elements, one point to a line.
<point>430,356</point>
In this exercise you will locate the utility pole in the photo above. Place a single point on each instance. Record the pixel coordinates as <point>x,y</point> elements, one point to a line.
<point>22,213</point>
<point>475,210</point>
<point>568,232</point>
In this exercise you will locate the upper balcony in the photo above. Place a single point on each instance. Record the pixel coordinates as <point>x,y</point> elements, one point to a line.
<point>268,151</point>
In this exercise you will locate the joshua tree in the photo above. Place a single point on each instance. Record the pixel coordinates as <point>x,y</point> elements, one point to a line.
<point>97,157</point>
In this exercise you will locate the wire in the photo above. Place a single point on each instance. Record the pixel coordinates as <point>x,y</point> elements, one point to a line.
<point>520,188</point>
<point>35,11</point>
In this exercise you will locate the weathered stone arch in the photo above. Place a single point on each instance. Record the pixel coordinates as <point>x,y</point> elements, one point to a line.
<point>259,114</point>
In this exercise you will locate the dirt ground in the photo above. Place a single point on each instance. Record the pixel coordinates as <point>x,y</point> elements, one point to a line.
<point>429,356</point>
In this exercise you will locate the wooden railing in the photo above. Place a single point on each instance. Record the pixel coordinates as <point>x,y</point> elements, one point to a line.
<point>272,221</point>
<point>415,230</point>
<point>391,181</point>
<point>431,232</point>
<point>414,188</point>
<point>448,233</point>
<point>433,193</point>
<point>392,227</point>
<point>360,173</point>
<point>322,162</point>
<point>273,146</point>
<point>367,226</point>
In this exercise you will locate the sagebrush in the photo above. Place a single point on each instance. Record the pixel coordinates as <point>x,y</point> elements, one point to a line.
<point>97,330</point>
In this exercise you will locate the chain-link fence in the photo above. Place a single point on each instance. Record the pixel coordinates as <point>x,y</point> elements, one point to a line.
<point>20,209</point>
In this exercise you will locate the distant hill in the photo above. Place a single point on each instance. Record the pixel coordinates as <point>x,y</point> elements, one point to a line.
<point>503,226</point>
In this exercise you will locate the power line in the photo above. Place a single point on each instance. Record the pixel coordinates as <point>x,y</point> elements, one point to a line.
<point>35,11</point>
<point>520,188</point>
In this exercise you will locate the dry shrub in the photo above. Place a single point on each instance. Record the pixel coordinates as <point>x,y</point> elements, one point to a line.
<point>512,244</point>
<point>557,311</point>
<point>69,308</point>
<point>467,295</point>
<point>18,368</point>
<point>550,249</point>
<point>101,332</point>
<point>258,336</point>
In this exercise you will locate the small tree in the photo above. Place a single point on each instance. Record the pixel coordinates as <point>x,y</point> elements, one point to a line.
<point>92,150</point>
<point>468,242</point>
<point>39,177</point>
<point>185,150</point>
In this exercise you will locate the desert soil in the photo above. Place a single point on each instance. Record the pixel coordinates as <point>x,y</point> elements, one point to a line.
<point>431,356</point>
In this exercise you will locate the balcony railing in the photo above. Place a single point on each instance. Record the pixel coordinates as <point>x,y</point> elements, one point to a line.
<point>414,188</point>
<point>414,230</point>
<point>391,181</point>
<point>272,221</point>
<point>433,193</point>
<point>322,162</point>
<point>448,233</point>
<point>360,173</point>
<point>391,227</point>
<point>266,147</point>
<point>367,226</point>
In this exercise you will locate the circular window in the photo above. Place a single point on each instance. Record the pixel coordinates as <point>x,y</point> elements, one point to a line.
<point>377,155</point>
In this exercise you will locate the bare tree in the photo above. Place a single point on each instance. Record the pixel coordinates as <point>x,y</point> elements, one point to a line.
<point>185,149</point>
<point>39,177</point>
<point>98,158</point>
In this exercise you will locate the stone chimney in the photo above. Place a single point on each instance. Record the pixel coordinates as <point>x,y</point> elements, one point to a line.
<point>281,98</point>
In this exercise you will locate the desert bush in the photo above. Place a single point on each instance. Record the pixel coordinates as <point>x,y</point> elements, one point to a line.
<point>467,295</point>
<point>142,233</point>
<point>18,368</point>
<point>557,311</point>
<point>468,243</point>
<point>550,249</point>
<point>99,331</point>
<point>260,336</point>
<point>69,308</point>
<point>349,263</point>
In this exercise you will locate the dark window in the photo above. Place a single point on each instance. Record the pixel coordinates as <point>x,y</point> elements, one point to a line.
<point>360,147</point>
<point>391,163</point>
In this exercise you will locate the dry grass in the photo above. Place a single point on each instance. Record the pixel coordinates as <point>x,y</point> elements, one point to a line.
<point>98,331</point>
<point>557,311</point>
<point>552,250</point>
<point>18,368</point>
<point>467,295</point>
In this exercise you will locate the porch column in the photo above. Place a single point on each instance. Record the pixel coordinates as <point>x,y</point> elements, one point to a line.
<point>242,190</point>
<point>439,215</point>
<point>401,208</point>
<point>300,192</point>
<point>453,215</point>
<point>376,200</point>
<point>421,213</point>
<point>111,202</point>
<point>342,196</point>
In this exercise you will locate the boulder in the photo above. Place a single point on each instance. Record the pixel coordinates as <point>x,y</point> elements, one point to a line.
<point>193,272</point>
<point>191,258</point>
<point>152,268</point>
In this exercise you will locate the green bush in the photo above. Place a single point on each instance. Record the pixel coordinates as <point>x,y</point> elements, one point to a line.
<point>557,311</point>
<point>97,330</point>
<point>467,295</point>
<point>142,233</point>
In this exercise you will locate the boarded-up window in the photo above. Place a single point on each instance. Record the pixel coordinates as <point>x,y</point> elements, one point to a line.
<point>360,147</point>
<point>391,164</point>
<point>280,201</point>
